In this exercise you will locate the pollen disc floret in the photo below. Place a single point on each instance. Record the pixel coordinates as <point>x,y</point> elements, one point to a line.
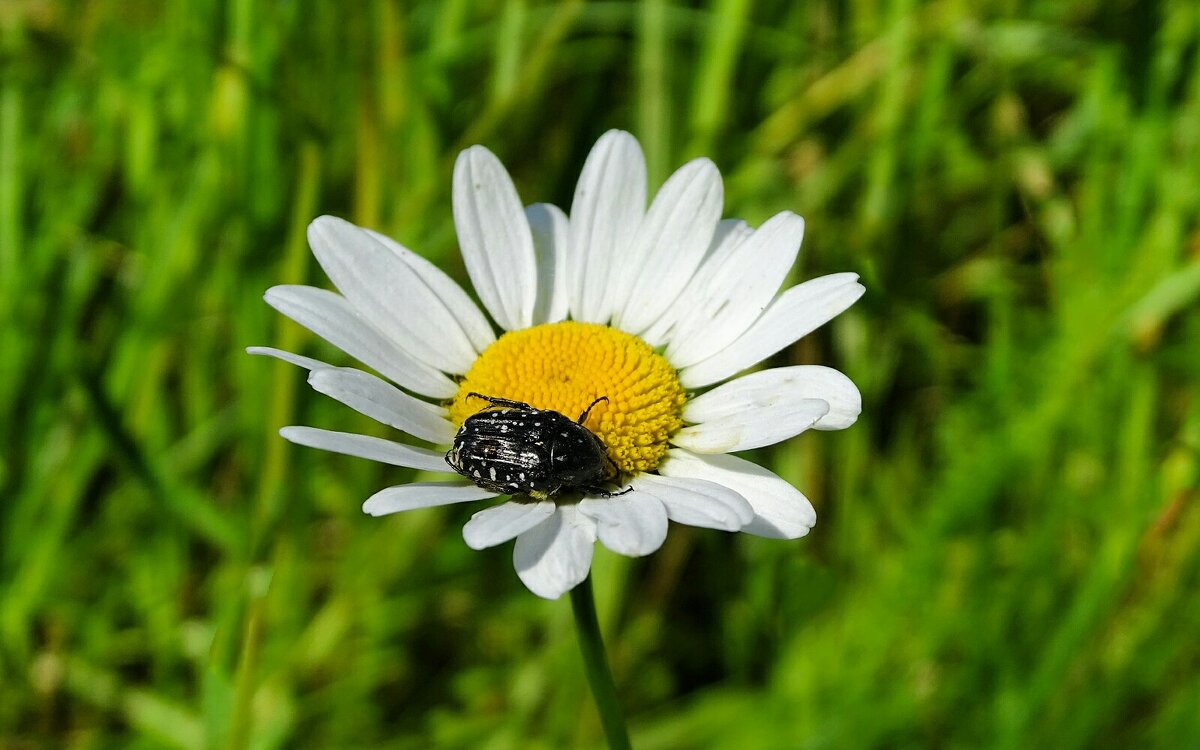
<point>565,367</point>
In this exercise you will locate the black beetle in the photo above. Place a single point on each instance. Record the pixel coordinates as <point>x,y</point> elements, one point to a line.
<point>514,449</point>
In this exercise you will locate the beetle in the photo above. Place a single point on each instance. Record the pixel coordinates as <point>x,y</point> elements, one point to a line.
<point>513,448</point>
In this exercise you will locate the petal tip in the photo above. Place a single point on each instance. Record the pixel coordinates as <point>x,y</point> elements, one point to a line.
<point>473,541</point>
<point>472,158</point>
<point>323,223</point>
<point>374,505</point>
<point>615,133</point>
<point>272,295</point>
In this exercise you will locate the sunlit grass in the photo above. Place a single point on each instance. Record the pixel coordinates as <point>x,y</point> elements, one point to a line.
<point>1008,546</point>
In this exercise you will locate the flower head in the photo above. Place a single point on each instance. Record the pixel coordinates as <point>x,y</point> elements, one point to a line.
<point>653,310</point>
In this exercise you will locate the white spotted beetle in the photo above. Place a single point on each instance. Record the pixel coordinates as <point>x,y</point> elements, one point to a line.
<point>514,449</point>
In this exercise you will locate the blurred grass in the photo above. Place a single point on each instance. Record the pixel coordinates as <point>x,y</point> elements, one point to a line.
<point>1008,551</point>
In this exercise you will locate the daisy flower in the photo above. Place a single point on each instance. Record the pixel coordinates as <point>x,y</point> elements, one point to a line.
<point>658,308</point>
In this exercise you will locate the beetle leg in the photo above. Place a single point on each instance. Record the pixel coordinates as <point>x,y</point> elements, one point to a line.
<point>605,493</point>
<point>583,417</point>
<point>501,401</point>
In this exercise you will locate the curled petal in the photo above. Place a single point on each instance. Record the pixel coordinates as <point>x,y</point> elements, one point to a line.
<point>633,524</point>
<point>780,510</point>
<point>308,363</point>
<point>384,403</point>
<point>778,387</point>
<point>422,495</point>
<point>697,502</point>
<point>555,556</point>
<point>752,427</point>
<point>365,446</point>
<point>498,524</point>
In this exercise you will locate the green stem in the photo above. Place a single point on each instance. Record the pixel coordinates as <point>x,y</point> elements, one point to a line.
<point>595,663</point>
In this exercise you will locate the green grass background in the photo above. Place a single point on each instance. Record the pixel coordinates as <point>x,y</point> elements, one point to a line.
<point>1008,546</point>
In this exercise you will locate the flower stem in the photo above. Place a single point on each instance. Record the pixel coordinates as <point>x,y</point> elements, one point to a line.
<point>595,663</point>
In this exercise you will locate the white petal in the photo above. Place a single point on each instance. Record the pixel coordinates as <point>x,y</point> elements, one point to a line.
<point>670,244</point>
<point>753,427</point>
<point>476,327</point>
<point>498,524</point>
<point>365,446</point>
<point>633,524</point>
<point>739,291</point>
<point>384,403</point>
<point>390,294</point>
<point>334,319</point>
<point>697,502</point>
<point>660,332</point>
<point>796,313</point>
<point>729,234</point>
<point>308,363</point>
<point>780,511</point>
<point>777,386</point>
<point>551,233</point>
<point>422,495</point>
<point>555,556</point>
<point>610,199</point>
<point>494,235</point>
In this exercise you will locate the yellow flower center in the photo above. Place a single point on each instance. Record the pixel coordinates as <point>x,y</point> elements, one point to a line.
<point>565,367</point>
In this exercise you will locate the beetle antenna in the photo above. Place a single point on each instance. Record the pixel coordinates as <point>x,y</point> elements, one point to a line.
<point>501,401</point>
<point>583,417</point>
